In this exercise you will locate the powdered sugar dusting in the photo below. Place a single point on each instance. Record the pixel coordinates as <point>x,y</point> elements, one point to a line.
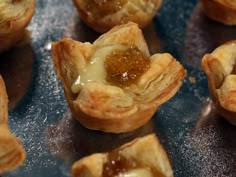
<point>209,149</point>
<point>203,36</point>
<point>45,101</point>
<point>199,143</point>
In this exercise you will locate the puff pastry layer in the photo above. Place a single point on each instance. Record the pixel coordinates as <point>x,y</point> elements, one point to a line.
<point>14,17</point>
<point>103,15</point>
<point>12,153</point>
<point>142,157</point>
<point>223,11</point>
<point>102,105</point>
<point>220,68</point>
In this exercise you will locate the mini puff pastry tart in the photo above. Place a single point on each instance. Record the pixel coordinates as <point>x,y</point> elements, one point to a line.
<point>142,157</point>
<point>12,153</point>
<point>220,68</point>
<point>223,11</point>
<point>114,85</point>
<point>105,14</point>
<point>14,17</point>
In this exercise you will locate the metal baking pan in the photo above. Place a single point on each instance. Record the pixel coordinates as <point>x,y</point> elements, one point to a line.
<point>198,142</point>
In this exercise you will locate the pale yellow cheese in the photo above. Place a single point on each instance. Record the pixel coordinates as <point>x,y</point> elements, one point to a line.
<point>95,71</point>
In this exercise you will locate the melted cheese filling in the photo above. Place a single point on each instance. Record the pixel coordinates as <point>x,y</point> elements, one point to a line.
<point>118,65</point>
<point>95,71</point>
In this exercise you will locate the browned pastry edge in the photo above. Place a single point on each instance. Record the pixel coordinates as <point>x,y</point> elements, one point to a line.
<point>16,29</point>
<point>141,18</point>
<point>144,151</point>
<point>125,124</point>
<point>220,11</point>
<point>3,103</point>
<point>15,154</point>
<point>213,85</point>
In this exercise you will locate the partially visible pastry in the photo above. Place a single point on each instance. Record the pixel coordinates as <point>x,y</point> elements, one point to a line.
<point>14,17</point>
<point>142,157</point>
<point>223,11</point>
<point>103,15</point>
<point>3,103</point>
<point>114,85</point>
<point>220,68</point>
<point>12,153</point>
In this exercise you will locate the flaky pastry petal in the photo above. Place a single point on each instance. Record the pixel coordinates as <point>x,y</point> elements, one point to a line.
<point>12,153</point>
<point>3,103</point>
<point>219,67</point>
<point>127,34</point>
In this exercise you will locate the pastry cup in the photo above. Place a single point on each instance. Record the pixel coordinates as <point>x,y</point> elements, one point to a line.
<point>14,17</point>
<point>12,153</point>
<point>223,11</point>
<point>104,106</point>
<point>103,15</point>
<point>219,67</point>
<point>141,157</point>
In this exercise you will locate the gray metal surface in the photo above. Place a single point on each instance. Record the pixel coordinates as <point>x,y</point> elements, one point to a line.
<point>199,143</point>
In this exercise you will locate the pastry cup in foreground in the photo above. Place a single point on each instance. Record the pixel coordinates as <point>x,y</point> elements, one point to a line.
<point>114,85</point>
<point>12,153</point>
<point>220,68</point>
<point>223,11</point>
<point>14,17</point>
<point>103,15</point>
<point>142,157</point>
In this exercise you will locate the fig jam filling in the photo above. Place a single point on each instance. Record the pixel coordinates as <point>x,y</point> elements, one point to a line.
<point>117,165</point>
<point>124,67</point>
<point>101,8</point>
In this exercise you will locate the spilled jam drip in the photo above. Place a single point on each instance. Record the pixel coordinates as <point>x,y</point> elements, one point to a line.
<point>124,67</point>
<point>101,8</point>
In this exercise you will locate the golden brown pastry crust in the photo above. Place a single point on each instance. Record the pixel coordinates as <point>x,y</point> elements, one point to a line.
<point>138,11</point>
<point>219,67</point>
<point>12,153</point>
<point>3,103</point>
<point>110,108</point>
<point>145,152</point>
<point>14,17</point>
<point>223,11</point>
